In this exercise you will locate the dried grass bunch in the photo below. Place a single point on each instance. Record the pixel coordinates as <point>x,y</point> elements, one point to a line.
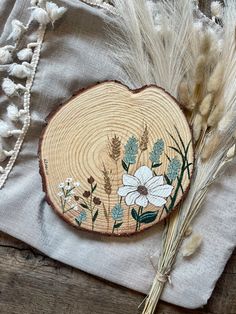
<point>173,45</point>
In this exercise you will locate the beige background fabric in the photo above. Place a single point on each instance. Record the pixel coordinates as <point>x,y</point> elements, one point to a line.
<point>75,55</point>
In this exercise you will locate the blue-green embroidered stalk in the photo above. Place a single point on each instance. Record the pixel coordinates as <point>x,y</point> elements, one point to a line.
<point>81,218</point>
<point>117,214</point>
<point>173,169</point>
<point>131,151</point>
<point>156,153</point>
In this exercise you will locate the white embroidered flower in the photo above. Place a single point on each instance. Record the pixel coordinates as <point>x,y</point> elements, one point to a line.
<point>61,185</point>
<point>75,207</point>
<point>69,180</point>
<point>77,184</point>
<point>60,194</point>
<point>67,187</point>
<point>144,188</point>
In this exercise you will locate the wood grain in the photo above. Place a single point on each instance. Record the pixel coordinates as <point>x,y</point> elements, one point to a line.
<point>31,283</point>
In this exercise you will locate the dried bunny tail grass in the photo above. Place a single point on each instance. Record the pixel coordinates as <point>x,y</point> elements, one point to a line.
<point>206,104</point>
<point>197,126</point>
<point>200,68</point>
<point>199,87</point>
<point>215,115</point>
<point>144,139</point>
<point>216,78</point>
<point>211,146</point>
<point>205,44</point>
<point>115,148</point>
<point>192,245</point>
<point>183,94</point>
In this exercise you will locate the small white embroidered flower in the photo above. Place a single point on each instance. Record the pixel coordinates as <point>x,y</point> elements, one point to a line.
<point>77,184</point>
<point>60,194</point>
<point>69,180</point>
<point>75,207</point>
<point>61,185</point>
<point>67,187</point>
<point>143,188</point>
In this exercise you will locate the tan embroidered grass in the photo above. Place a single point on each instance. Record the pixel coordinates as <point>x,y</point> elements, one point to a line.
<point>107,181</point>
<point>115,148</point>
<point>144,140</point>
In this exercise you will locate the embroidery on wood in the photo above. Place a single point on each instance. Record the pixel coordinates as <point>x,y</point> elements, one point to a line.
<point>120,165</point>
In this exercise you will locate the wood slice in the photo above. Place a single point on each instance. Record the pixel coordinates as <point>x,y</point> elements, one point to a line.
<point>116,161</point>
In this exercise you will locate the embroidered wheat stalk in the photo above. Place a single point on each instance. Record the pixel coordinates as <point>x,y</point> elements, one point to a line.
<point>144,140</point>
<point>107,188</point>
<point>115,148</point>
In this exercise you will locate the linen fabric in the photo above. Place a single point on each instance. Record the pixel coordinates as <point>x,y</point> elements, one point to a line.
<point>75,55</point>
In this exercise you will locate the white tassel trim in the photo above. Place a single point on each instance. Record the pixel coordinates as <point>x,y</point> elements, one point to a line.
<point>18,28</point>
<point>11,89</point>
<point>5,130</point>
<point>14,114</point>
<point>46,12</point>
<point>4,154</point>
<point>25,54</point>
<point>23,70</point>
<point>54,12</point>
<point>40,15</point>
<point>6,54</point>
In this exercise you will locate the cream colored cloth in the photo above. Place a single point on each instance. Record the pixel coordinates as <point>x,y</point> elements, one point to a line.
<point>75,55</point>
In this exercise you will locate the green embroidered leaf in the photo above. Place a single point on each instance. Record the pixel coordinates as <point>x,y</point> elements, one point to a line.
<point>118,225</point>
<point>134,214</point>
<point>78,221</point>
<point>95,215</point>
<point>94,187</point>
<point>156,165</point>
<point>176,150</point>
<point>167,179</point>
<point>148,217</point>
<point>84,205</point>
<point>124,165</point>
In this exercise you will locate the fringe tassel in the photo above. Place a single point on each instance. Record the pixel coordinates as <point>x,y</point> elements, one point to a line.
<point>4,154</point>
<point>6,54</point>
<point>11,89</point>
<point>43,12</point>
<point>18,28</point>
<point>5,130</point>
<point>14,114</point>
<point>21,71</point>
<point>25,54</point>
